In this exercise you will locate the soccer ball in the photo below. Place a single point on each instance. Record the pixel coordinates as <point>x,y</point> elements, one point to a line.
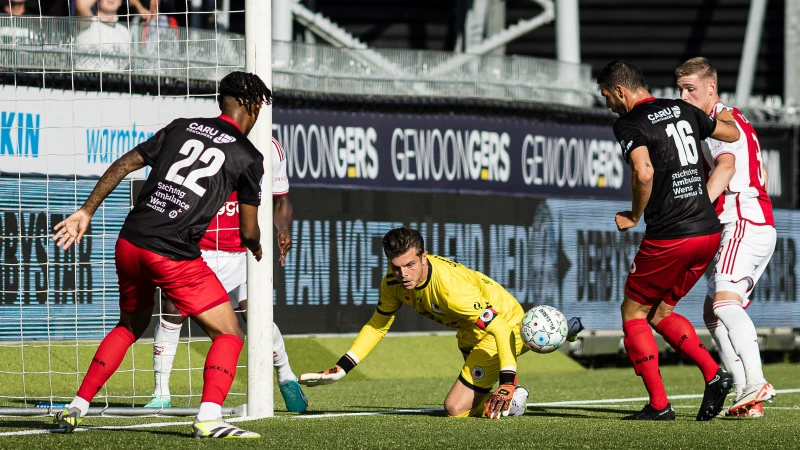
<point>543,329</point>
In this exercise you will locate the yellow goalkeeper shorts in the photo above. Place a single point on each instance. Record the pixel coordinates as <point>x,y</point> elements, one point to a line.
<point>482,363</point>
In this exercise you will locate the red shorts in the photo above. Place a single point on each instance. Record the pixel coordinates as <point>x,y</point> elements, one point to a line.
<point>667,269</point>
<point>191,284</point>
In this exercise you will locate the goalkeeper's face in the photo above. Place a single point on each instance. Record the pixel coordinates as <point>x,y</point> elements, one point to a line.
<point>410,268</point>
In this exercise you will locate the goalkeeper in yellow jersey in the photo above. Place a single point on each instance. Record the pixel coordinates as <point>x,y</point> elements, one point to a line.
<point>486,316</point>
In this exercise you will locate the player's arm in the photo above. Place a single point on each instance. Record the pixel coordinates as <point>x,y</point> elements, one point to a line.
<point>641,185</point>
<point>73,228</point>
<point>726,129</point>
<point>249,232</point>
<point>724,169</point>
<point>282,211</point>
<point>248,189</point>
<point>369,337</point>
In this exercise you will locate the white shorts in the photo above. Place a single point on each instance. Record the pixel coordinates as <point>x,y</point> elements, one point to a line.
<point>231,269</point>
<point>744,252</point>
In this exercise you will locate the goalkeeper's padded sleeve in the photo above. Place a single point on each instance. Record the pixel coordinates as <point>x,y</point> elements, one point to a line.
<point>370,335</point>
<point>499,328</point>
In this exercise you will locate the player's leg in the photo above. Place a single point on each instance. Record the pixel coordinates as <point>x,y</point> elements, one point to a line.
<point>746,261</point>
<point>196,292</point>
<point>642,291</point>
<point>731,361</point>
<point>292,394</point>
<point>136,309</point>
<point>480,372</point>
<point>697,252</point>
<point>165,347</point>
<point>642,350</point>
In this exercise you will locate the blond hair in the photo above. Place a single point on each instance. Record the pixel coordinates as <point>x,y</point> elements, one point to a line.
<point>699,66</point>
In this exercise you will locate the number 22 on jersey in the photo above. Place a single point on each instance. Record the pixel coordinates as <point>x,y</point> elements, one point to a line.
<point>214,157</point>
<point>684,142</point>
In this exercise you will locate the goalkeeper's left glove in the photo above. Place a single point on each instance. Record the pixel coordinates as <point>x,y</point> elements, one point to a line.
<point>499,402</point>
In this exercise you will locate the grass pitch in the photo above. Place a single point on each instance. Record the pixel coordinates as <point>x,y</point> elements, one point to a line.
<point>409,373</point>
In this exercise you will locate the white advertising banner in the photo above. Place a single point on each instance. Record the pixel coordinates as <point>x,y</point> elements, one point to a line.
<point>57,133</point>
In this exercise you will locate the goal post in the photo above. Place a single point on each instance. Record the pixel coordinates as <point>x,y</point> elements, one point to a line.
<point>258,60</point>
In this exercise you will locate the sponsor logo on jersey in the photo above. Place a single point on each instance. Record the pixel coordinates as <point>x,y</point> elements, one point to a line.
<point>664,114</point>
<point>478,373</point>
<point>204,130</point>
<point>228,209</point>
<point>224,139</point>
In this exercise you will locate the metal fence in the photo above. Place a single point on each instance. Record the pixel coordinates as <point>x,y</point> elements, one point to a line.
<point>62,44</point>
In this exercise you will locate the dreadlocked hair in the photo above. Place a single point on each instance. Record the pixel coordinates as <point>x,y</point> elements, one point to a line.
<point>246,88</point>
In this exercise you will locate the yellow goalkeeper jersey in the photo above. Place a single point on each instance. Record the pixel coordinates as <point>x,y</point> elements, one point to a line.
<point>452,295</point>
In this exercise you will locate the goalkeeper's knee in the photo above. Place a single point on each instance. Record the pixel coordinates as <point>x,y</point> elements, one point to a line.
<point>476,411</point>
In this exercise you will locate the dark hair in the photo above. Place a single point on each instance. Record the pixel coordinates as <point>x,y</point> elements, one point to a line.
<point>246,88</point>
<point>399,240</point>
<point>621,73</point>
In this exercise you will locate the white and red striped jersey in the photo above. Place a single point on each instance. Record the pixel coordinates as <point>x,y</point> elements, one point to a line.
<point>223,232</point>
<point>745,197</point>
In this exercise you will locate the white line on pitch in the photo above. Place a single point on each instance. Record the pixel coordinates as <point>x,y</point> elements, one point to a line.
<point>636,399</point>
<point>606,401</point>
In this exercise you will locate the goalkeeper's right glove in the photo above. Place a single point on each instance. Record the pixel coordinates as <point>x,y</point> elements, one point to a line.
<point>346,363</point>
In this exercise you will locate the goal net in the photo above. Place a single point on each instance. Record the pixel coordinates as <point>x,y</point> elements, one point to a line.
<point>77,93</point>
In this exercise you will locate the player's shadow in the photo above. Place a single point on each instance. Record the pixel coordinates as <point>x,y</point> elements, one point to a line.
<point>561,411</point>
<point>28,424</point>
<point>380,410</point>
<point>160,432</point>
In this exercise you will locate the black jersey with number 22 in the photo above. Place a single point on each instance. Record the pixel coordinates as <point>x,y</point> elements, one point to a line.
<point>196,164</point>
<point>672,131</point>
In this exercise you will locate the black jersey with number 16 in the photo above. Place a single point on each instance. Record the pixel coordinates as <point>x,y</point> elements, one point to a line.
<point>672,131</point>
<point>196,164</point>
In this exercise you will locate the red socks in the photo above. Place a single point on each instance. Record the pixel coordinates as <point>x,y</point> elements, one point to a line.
<point>680,334</point>
<point>106,361</point>
<point>643,353</point>
<point>220,368</point>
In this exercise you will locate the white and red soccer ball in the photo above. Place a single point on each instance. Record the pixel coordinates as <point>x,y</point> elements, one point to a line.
<point>543,329</point>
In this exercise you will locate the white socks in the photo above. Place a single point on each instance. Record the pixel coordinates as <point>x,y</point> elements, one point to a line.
<point>731,361</point>
<point>209,411</point>
<point>280,360</point>
<point>81,404</point>
<point>743,337</point>
<point>165,346</point>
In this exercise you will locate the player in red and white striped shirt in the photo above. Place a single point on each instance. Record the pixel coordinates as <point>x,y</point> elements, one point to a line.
<point>222,250</point>
<point>737,182</point>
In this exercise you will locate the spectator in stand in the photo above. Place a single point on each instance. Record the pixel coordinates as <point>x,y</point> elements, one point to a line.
<point>151,23</point>
<point>104,38</point>
<point>14,7</point>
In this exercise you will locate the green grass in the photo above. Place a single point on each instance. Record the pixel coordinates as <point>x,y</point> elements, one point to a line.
<point>416,372</point>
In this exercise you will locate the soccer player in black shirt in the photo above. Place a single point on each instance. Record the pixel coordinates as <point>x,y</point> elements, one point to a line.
<point>196,164</point>
<point>660,139</point>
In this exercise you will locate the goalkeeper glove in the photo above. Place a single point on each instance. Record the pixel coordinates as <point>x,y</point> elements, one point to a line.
<point>499,402</point>
<point>346,363</point>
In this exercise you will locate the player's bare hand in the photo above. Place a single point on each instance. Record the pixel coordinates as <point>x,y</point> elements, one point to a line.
<point>71,229</point>
<point>257,254</point>
<point>625,221</point>
<point>284,244</point>
<point>330,376</point>
<point>499,402</point>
